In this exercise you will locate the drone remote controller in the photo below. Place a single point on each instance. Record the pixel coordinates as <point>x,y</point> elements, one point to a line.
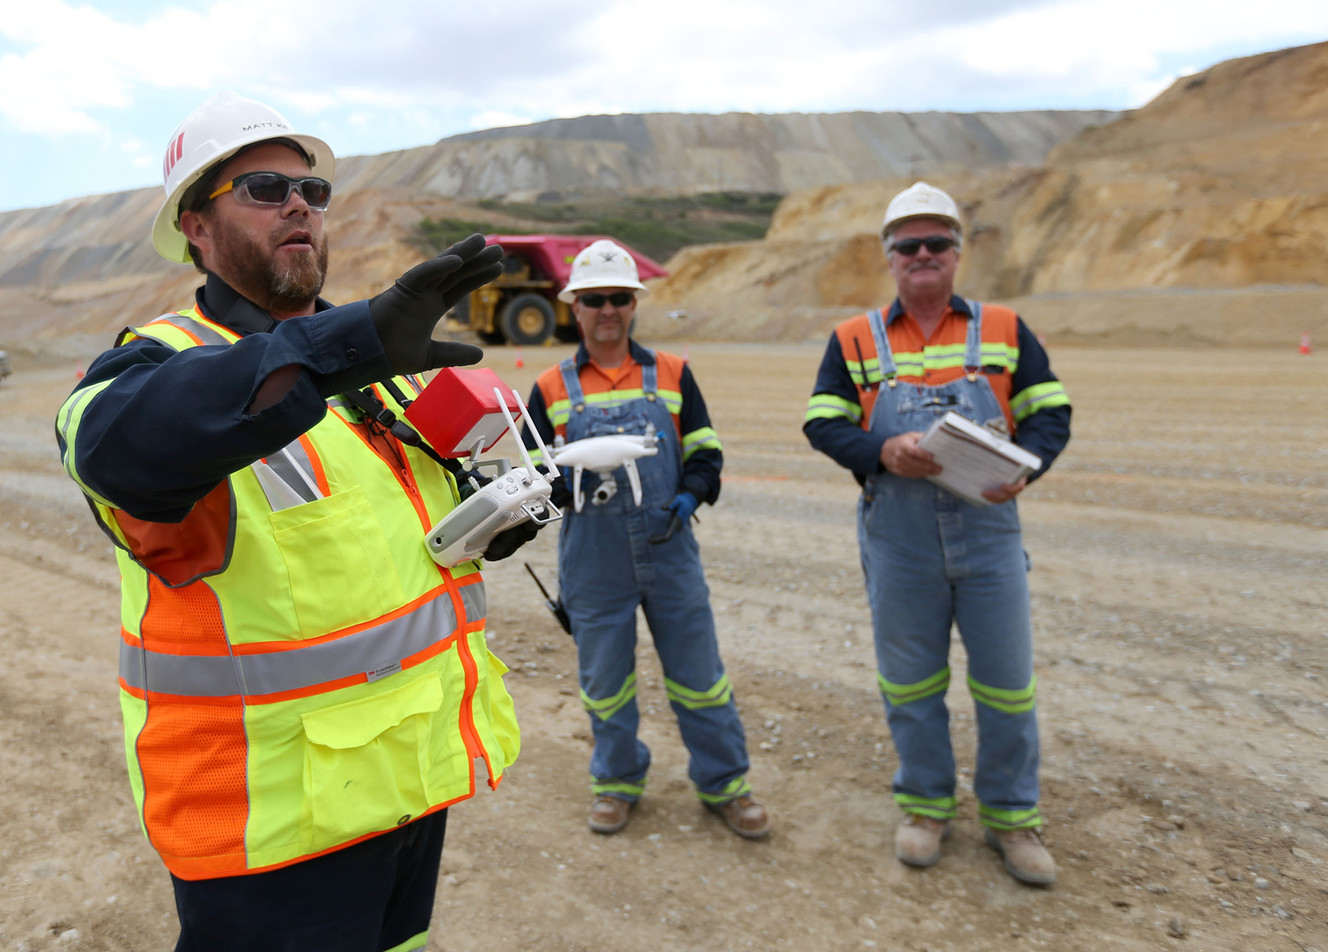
<point>515,496</point>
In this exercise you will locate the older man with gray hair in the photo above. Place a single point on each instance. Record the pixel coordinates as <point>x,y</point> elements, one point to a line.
<point>931,559</point>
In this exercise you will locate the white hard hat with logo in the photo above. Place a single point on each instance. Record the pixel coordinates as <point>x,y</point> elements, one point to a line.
<point>602,264</point>
<point>213,133</point>
<point>921,200</point>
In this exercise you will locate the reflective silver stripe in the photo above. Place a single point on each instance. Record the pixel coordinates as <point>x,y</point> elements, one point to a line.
<point>187,324</point>
<point>365,652</point>
<point>474,600</point>
<point>278,492</point>
<point>287,477</point>
<point>296,470</point>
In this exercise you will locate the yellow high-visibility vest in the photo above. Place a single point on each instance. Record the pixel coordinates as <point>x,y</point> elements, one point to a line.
<point>296,673</point>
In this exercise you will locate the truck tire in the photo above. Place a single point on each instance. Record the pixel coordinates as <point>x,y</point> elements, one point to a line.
<point>527,320</point>
<point>568,333</point>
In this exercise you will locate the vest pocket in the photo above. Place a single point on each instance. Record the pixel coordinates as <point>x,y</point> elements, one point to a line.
<point>365,763</point>
<point>338,561</point>
<point>499,714</point>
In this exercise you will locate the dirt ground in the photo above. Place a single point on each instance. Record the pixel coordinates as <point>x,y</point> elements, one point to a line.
<point>1179,569</point>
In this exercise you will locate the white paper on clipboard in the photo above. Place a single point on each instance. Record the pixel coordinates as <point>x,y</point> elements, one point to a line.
<point>973,458</point>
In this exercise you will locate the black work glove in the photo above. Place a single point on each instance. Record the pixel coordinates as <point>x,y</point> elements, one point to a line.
<point>406,313</point>
<point>509,540</point>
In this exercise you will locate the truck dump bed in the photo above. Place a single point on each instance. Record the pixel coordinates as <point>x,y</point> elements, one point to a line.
<point>553,254</point>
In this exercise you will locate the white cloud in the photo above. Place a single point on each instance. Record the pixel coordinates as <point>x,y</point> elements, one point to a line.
<point>400,73</point>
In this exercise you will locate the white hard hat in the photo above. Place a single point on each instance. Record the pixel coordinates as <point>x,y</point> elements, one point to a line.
<point>602,264</point>
<point>921,200</point>
<point>213,133</point>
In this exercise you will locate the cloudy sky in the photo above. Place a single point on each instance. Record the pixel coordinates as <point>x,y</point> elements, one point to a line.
<point>90,92</point>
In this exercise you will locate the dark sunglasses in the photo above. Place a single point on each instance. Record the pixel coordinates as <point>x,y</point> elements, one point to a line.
<point>908,247</point>
<point>617,299</point>
<point>273,188</point>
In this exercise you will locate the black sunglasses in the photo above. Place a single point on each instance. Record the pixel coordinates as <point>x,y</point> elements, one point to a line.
<point>273,188</point>
<point>908,247</point>
<point>617,299</point>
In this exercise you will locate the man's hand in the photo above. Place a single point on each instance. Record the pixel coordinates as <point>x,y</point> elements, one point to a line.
<point>683,505</point>
<point>1005,492</point>
<point>406,313</point>
<point>902,456</point>
<point>509,540</point>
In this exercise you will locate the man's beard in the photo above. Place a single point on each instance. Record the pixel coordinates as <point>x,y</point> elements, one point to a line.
<point>245,262</point>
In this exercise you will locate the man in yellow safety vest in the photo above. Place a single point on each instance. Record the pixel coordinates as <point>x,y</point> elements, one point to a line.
<point>305,691</point>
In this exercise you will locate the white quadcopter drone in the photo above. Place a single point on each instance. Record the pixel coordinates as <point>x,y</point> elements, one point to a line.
<point>604,455</point>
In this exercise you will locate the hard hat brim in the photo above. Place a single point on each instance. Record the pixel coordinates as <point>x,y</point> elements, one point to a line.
<point>568,294</point>
<point>894,223</point>
<point>167,237</point>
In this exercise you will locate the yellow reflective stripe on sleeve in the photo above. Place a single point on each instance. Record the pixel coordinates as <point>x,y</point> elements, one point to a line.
<point>66,422</point>
<point>704,438</point>
<point>1042,396</point>
<point>719,694</point>
<point>607,707</point>
<point>1008,700</point>
<point>827,406</point>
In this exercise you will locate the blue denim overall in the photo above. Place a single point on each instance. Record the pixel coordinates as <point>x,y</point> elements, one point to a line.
<point>606,568</point>
<point>930,560</point>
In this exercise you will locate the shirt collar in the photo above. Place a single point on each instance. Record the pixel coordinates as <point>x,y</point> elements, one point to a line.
<point>957,304</point>
<point>634,350</point>
<point>220,302</point>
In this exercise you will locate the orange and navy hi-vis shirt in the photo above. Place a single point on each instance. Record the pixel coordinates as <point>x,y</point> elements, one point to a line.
<point>702,453</point>
<point>1015,364</point>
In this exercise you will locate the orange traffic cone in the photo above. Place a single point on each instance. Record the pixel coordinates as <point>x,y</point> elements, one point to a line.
<point>1305,343</point>
<point>78,370</point>
<point>520,361</point>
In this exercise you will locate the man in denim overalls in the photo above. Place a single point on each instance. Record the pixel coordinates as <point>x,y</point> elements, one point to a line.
<point>932,560</point>
<point>617,552</point>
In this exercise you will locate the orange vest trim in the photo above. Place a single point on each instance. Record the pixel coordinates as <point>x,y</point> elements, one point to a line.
<point>999,325</point>
<point>627,376</point>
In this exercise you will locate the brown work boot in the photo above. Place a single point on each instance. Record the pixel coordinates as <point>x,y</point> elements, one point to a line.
<point>609,814</point>
<point>918,839</point>
<point>1025,857</point>
<point>744,816</point>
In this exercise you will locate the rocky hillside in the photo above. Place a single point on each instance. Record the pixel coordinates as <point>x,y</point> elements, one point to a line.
<point>85,266</point>
<point>1201,218</point>
<point>676,154</point>
<point>1198,219</point>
